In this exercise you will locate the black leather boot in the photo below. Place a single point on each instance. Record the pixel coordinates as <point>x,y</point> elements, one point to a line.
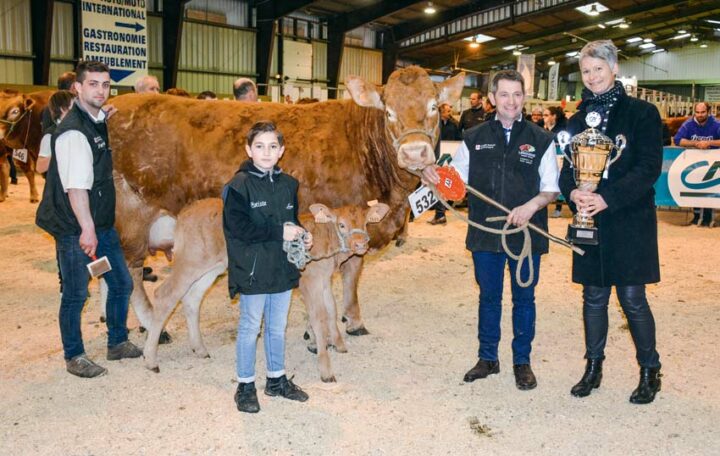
<point>246,398</point>
<point>649,385</point>
<point>591,378</point>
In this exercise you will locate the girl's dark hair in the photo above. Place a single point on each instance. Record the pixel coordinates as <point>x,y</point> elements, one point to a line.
<point>59,101</point>
<point>558,112</point>
<point>264,126</point>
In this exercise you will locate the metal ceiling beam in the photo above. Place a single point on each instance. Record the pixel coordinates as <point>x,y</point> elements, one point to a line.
<point>409,29</point>
<point>267,14</point>
<point>359,17</point>
<point>41,15</point>
<point>560,45</point>
<point>172,20</point>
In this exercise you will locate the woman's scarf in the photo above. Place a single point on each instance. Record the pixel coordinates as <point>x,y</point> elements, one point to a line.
<point>603,103</point>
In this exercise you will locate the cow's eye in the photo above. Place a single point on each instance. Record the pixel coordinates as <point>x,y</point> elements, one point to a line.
<point>341,225</point>
<point>391,116</point>
<point>433,108</point>
<point>14,111</point>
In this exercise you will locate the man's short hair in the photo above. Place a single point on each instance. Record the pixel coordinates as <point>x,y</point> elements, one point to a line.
<point>242,87</point>
<point>141,83</point>
<point>66,80</point>
<point>705,103</point>
<point>207,95</point>
<point>264,126</point>
<point>89,66</point>
<point>178,92</point>
<point>507,75</point>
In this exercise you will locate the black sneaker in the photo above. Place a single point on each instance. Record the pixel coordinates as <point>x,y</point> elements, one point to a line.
<point>84,367</point>
<point>282,386</point>
<point>123,350</point>
<point>246,398</point>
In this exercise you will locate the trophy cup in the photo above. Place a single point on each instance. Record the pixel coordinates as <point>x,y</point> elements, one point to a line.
<point>590,159</point>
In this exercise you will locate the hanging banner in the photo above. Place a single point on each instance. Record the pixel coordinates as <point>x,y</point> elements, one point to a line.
<point>690,178</point>
<point>553,82</point>
<point>526,67</point>
<point>115,32</point>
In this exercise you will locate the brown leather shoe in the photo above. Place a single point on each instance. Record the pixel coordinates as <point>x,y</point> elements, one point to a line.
<point>482,369</point>
<point>438,221</point>
<point>524,377</point>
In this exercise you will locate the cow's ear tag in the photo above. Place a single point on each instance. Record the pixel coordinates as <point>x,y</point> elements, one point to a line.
<point>372,203</point>
<point>451,186</point>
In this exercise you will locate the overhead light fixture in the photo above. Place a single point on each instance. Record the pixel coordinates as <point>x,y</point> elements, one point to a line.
<point>510,48</point>
<point>517,52</point>
<point>712,21</point>
<point>624,25</point>
<point>474,45</point>
<point>615,21</point>
<point>704,45</point>
<point>572,53</point>
<point>592,9</point>
<point>480,38</point>
<point>693,38</point>
<point>680,32</point>
<point>655,51</point>
<point>647,45</point>
<point>551,62</point>
<point>680,37</point>
<point>430,8</point>
<point>647,40</point>
<point>634,39</point>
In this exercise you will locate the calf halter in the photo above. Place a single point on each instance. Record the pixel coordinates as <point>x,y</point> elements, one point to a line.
<point>298,255</point>
<point>14,123</point>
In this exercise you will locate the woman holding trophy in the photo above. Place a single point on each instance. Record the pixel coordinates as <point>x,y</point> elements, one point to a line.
<point>615,213</point>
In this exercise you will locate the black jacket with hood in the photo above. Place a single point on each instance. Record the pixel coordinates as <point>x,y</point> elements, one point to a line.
<point>257,204</point>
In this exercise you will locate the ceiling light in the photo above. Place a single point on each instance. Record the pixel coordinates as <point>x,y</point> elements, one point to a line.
<point>693,38</point>
<point>517,52</point>
<point>647,45</point>
<point>624,25</point>
<point>679,37</point>
<point>704,45</point>
<point>634,39</point>
<point>655,51</point>
<point>615,21</point>
<point>680,32</point>
<point>551,62</point>
<point>593,9</point>
<point>474,45</point>
<point>480,38</point>
<point>511,47</point>
<point>601,26</point>
<point>430,9</point>
<point>572,54</point>
<point>712,21</point>
<point>647,40</point>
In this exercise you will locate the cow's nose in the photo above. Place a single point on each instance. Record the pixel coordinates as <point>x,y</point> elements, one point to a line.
<point>415,152</point>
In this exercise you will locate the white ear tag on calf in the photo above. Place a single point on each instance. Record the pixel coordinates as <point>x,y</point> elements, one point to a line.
<point>99,266</point>
<point>372,203</point>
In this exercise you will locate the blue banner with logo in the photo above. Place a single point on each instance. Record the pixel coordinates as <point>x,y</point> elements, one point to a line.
<point>690,178</point>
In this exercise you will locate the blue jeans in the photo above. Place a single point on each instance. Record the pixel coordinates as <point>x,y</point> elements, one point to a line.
<point>489,274</point>
<point>75,277</point>
<point>275,306</point>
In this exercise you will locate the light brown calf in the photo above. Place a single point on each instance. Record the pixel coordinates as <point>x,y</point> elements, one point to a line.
<point>200,256</point>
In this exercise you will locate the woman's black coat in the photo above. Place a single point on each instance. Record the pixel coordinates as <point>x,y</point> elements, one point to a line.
<point>628,252</point>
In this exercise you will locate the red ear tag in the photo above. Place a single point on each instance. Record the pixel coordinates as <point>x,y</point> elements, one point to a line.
<point>451,186</point>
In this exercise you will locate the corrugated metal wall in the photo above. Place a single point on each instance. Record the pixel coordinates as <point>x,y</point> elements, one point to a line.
<point>236,12</point>
<point>154,37</point>
<point>319,66</point>
<point>365,63</point>
<point>208,50</point>
<point>15,71</point>
<point>63,43</point>
<point>15,27</point>
<point>689,63</point>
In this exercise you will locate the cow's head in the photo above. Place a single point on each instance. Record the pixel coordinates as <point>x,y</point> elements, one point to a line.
<point>410,101</point>
<point>14,107</point>
<point>351,224</point>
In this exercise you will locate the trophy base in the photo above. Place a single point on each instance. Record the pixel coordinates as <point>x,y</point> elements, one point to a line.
<point>583,236</point>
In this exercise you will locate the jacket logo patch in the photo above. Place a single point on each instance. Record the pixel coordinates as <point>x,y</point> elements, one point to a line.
<point>484,146</point>
<point>99,141</point>
<point>290,206</point>
<point>257,204</point>
<point>527,154</point>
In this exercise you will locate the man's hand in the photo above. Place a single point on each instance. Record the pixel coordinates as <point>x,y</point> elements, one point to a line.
<point>292,232</point>
<point>430,175</point>
<point>110,110</point>
<point>703,144</point>
<point>520,215</point>
<point>88,242</point>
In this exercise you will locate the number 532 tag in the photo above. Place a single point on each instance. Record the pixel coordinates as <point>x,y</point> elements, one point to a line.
<point>421,200</point>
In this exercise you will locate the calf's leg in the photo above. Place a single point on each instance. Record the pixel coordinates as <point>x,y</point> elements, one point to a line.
<point>351,307</point>
<point>311,288</point>
<point>4,177</point>
<point>191,305</point>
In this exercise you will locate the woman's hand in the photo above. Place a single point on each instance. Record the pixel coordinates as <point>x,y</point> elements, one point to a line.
<point>588,202</point>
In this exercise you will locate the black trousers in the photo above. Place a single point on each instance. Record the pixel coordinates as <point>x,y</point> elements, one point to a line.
<point>637,311</point>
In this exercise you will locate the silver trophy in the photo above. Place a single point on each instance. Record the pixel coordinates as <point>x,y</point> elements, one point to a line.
<point>590,158</point>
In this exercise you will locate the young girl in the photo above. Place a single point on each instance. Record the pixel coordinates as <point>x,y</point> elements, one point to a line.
<point>259,213</point>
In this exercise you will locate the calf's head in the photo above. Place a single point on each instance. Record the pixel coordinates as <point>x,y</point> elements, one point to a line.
<point>410,100</point>
<point>14,107</point>
<point>350,224</point>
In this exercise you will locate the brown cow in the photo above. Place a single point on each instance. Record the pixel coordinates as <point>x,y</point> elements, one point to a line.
<point>20,128</point>
<point>171,151</point>
<point>201,256</point>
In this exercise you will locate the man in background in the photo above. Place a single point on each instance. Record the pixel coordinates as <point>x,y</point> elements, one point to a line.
<point>244,89</point>
<point>473,116</point>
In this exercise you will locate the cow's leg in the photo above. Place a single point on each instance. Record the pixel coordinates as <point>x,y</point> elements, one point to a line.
<point>164,305</point>
<point>311,288</point>
<point>335,336</point>
<point>351,307</point>
<point>401,238</point>
<point>191,305</point>
<point>30,175</point>
<point>4,177</point>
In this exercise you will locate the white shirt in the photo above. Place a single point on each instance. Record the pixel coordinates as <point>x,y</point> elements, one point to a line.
<point>548,169</point>
<point>45,151</point>
<point>75,159</point>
